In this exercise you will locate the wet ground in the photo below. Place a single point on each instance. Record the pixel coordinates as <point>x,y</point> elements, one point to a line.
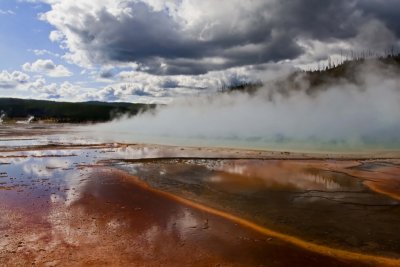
<point>70,201</point>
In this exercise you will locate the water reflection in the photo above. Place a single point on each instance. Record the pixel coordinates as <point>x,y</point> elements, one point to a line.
<point>142,227</point>
<point>277,175</point>
<point>245,176</point>
<point>303,198</point>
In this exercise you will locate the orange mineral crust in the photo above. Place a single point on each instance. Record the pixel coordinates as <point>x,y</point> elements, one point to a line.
<point>114,220</point>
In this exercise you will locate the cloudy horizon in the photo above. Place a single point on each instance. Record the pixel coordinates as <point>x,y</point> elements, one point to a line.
<point>153,51</point>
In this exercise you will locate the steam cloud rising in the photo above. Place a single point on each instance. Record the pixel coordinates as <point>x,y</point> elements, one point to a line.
<point>2,116</point>
<point>342,114</point>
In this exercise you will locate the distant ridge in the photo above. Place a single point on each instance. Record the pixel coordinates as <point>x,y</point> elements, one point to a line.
<point>345,71</point>
<point>91,111</point>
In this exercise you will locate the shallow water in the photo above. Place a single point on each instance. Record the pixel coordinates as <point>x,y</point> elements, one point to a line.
<point>300,198</point>
<point>60,206</point>
<point>108,133</point>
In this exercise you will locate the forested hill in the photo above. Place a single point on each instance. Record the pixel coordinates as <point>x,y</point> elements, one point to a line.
<point>92,111</point>
<point>312,80</point>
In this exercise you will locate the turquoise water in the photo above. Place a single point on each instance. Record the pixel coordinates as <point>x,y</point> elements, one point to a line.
<point>277,144</point>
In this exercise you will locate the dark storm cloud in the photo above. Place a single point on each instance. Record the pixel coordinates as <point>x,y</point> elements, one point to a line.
<point>164,44</point>
<point>152,37</point>
<point>386,11</point>
<point>106,74</point>
<point>317,19</point>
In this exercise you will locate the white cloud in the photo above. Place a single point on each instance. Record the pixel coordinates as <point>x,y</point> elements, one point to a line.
<point>47,67</point>
<point>56,36</point>
<point>42,52</point>
<point>138,86</point>
<point>24,86</point>
<point>10,80</point>
<point>65,91</point>
<point>6,12</point>
<point>196,37</point>
<point>169,37</point>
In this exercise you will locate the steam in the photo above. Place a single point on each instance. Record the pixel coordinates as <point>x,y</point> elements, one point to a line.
<point>27,121</point>
<point>365,113</point>
<point>30,119</point>
<point>2,116</point>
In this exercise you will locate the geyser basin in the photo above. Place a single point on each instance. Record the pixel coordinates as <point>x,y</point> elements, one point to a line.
<point>75,200</point>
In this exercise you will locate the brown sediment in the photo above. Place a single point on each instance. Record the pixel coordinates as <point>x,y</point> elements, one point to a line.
<point>389,188</point>
<point>323,250</point>
<point>118,221</point>
<point>8,187</point>
<point>310,197</point>
<point>381,179</point>
<point>140,209</point>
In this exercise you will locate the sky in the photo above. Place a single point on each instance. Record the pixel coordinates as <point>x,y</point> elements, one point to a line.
<point>154,51</point>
